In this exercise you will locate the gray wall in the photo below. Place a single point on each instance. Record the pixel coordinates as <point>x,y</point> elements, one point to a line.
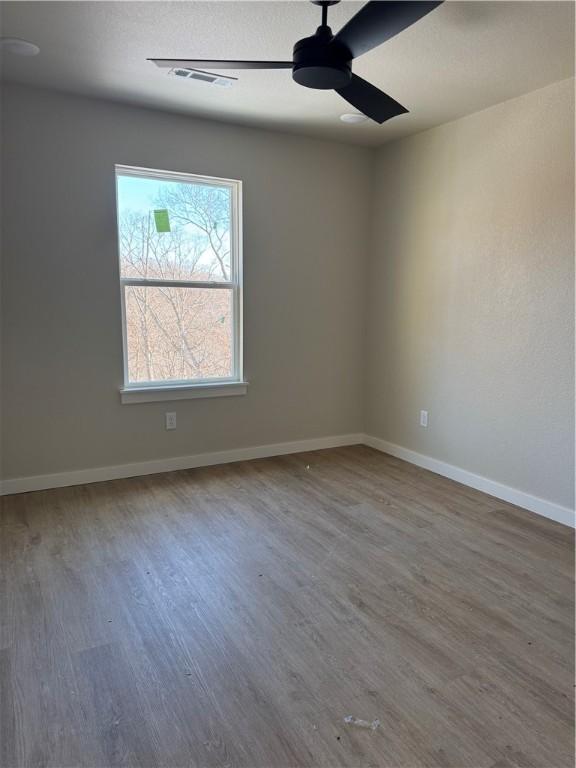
<point>435,273</point>
<point>306,208</point>
<point>470,287</point>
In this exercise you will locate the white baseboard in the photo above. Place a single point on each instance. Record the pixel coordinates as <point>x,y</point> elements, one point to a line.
<point>548,509</point>
<point>99,474</point>
<point>78,477</point>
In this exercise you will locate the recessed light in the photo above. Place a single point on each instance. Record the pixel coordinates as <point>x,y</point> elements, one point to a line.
<point>353,118</point>
<point>18,47</point>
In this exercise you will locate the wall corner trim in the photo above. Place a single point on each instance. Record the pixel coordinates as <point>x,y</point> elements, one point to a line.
<point>548,509</point>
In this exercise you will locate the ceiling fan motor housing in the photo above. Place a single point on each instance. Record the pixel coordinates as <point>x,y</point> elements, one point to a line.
<point>322,62</point>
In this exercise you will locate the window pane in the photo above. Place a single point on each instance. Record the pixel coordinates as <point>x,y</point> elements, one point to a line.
<point>173,230</point>
<point>174,334</point>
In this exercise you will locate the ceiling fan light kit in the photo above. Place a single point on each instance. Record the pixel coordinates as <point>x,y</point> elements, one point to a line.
<point>324,61</point>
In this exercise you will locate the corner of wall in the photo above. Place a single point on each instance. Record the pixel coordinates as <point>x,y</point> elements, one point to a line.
<point>478,246</point>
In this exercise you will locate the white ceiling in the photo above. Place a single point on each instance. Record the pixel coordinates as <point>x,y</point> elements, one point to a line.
<point>462,57</point>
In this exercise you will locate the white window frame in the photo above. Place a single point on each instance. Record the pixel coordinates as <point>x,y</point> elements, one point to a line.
<point>150,391</point>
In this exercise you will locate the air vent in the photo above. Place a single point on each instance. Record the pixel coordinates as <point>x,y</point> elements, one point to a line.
<point>206,77</point>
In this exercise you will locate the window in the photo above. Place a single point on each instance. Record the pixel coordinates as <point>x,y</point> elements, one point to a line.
<point>181,288</point>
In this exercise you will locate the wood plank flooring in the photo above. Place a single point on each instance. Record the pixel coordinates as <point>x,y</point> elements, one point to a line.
<point>235,615</point>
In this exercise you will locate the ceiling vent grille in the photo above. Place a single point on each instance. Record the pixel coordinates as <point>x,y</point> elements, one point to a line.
<point>206,77</point>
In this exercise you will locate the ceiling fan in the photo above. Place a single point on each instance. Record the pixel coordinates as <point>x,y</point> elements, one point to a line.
<point>324,60</point>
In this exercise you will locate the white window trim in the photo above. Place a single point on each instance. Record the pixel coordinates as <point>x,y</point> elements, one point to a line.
<point>146,392</point>
<point>155,394</point>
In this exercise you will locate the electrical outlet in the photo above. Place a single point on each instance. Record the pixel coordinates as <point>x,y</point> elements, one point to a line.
<point>423,418</point>
<point>171,420</point>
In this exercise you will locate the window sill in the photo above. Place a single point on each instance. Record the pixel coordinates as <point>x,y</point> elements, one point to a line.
<point>130,395</point>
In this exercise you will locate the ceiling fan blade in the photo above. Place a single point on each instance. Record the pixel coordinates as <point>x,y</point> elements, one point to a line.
<point>220,64</point>
<point>371,101</point>
<point>378,21</point>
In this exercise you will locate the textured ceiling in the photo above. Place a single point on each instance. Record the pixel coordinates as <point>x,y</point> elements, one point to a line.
<point>462,57</point>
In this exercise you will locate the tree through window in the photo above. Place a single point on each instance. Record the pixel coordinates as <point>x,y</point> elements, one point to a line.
<point>180,267</point>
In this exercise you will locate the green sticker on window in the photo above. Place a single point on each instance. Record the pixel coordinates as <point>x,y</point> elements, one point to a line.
<point>162,220</point>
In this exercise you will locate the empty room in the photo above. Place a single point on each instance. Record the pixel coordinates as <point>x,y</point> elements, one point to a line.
<point>287,384</point>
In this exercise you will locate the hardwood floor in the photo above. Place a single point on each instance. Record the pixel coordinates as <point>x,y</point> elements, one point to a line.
<point>235,615</point>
